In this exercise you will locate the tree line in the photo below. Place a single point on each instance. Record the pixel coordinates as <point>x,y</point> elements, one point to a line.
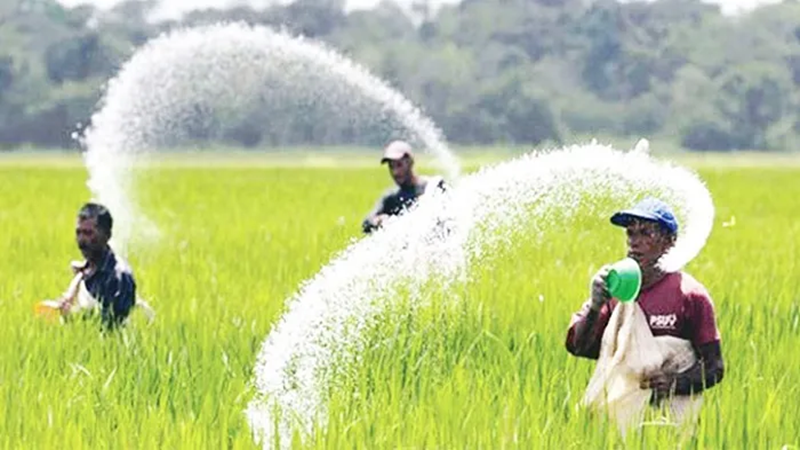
<point>486,71</point>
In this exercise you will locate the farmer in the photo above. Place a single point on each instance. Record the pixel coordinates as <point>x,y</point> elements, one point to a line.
<point>674,304</point>
<point>410,186</point>
<point>105,277</point>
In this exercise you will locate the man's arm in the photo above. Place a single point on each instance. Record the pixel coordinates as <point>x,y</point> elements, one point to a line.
<point>374,218</point>
<point>68,297</point>
<point>582,342</point>
<point>705,337</point>
<point>705,373</point>
<point>586,331</point>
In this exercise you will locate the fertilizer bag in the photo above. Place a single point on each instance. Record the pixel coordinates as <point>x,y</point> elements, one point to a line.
<point>628,353</point>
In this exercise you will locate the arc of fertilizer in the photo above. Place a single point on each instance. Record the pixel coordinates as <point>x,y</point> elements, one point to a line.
<point>226,69</point>
<point>309,350</point>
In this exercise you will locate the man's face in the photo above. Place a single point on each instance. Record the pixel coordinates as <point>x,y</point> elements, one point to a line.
<point>400,169</point>
<point>91,240</point>
<point>647,242</point>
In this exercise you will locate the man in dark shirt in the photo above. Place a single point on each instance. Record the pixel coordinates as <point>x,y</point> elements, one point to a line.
<point>107,278</point>
<point>410,186</point>
<point>675,304</point>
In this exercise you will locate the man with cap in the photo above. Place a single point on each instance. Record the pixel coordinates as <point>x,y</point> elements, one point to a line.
<point>674,304</point>
<point>410,186</point>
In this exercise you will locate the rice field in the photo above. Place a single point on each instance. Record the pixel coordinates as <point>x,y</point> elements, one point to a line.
<point>239,236</point>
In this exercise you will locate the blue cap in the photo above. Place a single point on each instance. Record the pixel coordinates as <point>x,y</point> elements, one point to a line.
<point>648,209</point>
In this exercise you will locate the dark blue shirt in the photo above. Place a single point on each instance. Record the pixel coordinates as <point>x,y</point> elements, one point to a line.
<point>397,201</point>
<point>114,287</point>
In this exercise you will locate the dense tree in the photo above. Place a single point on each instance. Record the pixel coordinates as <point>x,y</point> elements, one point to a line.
<point>519,72</point>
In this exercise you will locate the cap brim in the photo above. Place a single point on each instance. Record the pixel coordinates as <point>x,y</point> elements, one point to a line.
<point>386,159</point>
<point>623,218</point>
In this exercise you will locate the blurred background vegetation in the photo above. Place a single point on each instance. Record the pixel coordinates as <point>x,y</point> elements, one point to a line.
<point>488,72</point>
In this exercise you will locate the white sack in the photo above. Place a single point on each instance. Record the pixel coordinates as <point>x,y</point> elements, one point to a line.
<point>628,352</point>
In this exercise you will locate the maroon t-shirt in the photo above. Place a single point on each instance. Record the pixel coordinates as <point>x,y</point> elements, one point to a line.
<point>678,305</point>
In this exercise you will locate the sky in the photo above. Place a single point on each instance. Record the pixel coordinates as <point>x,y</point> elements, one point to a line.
<point>173,8</point>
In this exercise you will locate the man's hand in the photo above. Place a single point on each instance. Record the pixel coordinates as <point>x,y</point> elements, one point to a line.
<point>599,293</point>
<point>662,384</point>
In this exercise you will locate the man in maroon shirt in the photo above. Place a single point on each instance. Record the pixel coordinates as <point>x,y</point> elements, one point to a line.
<point>674,304</point>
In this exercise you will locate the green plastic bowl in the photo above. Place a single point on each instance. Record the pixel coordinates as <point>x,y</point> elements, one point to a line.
<point>624,280</point>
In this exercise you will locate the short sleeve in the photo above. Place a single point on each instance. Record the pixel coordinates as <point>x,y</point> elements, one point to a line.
<point>603,316</point>
<point>702,319</point>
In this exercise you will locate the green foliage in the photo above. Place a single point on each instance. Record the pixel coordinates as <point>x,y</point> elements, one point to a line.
<point>483,365</point>
<point>486,71</point>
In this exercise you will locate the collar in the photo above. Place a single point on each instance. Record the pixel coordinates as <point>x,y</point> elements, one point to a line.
<point>416,188</point>
<point>666,276</point>
<point>107,263</point>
